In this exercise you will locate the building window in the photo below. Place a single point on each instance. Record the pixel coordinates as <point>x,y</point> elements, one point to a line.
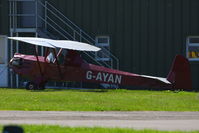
<point>103,42</point>
<point>192,50</point>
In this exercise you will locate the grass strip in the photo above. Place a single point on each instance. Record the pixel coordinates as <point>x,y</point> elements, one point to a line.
<point>60,129</point>
<point>98,100</point>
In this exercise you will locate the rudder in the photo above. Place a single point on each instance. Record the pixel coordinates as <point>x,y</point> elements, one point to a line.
<point>180,74</point>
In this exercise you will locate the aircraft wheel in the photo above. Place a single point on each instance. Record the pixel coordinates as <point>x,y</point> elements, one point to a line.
<point>31,86</point>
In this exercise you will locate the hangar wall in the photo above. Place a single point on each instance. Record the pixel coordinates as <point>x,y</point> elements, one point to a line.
<point>4,27</point>
<point>145,34</point>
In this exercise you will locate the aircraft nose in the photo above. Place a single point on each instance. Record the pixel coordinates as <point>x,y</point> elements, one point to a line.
<point>10,63</point>
<point>16,62</point>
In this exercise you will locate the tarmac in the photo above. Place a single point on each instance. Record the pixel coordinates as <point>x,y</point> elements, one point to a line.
<point>159,120</point>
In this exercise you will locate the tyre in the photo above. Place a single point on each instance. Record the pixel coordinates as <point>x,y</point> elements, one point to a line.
<point>31,86</point>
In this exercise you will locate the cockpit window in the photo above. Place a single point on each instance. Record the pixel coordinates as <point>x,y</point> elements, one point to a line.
<point>62,55</point>
<point>50,58</point>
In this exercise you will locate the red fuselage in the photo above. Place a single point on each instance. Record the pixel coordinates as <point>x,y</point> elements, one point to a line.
<point>77,70</point>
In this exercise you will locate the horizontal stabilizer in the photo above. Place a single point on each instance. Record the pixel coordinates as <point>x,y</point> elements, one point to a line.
<point>164,80</point>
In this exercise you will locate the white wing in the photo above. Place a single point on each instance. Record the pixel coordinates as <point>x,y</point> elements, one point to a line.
<point>65,44</point>
<point>73,45</point>
<point>33,40</point>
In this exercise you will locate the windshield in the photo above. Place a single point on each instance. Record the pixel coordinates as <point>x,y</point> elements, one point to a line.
<point>50,58</point>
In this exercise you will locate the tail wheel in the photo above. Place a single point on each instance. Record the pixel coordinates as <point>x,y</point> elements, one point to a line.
<point>31,86</point>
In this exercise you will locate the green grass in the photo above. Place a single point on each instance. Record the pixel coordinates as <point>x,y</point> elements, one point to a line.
<point>59,129</point>
<point>98,100</point>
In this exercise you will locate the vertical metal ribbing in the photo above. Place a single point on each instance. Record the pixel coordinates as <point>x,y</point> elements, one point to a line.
<point>74,35</point>
<point>10,13</point>
<point>17,50</point>
<point>45,17</point>
<point>80,35</point>
<point>13,15</point>
<point>11,54</point>
<point>12,28</point>
<point>15,10</point>
<point>36,14</point>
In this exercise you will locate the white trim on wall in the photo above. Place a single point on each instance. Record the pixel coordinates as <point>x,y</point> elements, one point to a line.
<point>3,66</point>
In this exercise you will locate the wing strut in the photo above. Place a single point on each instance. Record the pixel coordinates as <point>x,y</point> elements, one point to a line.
<point>59,52</point>
<point>36,54</point>
<point>58,66</point>
<point>46,53</point>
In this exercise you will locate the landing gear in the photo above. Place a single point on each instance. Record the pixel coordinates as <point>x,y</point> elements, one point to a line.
<point>34,86</point>
<point>31,86</point>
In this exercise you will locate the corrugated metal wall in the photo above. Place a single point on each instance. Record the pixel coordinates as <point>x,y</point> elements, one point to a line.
<point>145,34</point>
<point>4,17</point>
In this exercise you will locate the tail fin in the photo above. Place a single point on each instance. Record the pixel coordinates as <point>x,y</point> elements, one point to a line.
<point>180,74</point>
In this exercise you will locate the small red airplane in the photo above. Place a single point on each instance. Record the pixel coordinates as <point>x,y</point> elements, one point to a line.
<point>67,65</point>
